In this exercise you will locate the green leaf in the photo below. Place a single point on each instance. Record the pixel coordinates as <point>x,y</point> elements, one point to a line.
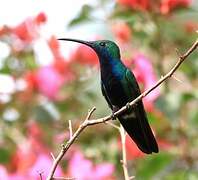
<point>29,60</point>
<point>82,17</point>
<point>4,155</point>
<point>182,175</point>
<point>41,114</point>
<point>187,97</point>
<point>152,165</point>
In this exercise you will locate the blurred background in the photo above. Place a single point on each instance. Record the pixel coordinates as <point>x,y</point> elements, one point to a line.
<point>44,83</point>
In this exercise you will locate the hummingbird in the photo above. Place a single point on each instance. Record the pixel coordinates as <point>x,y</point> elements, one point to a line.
<point>119,87</point>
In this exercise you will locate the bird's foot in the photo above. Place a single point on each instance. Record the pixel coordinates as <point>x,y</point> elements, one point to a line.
<point>113,117</point>
<point>115,108</point>
<point>128,106</point>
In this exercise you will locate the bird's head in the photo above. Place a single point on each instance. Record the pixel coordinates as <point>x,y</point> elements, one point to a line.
<point>104,48</point>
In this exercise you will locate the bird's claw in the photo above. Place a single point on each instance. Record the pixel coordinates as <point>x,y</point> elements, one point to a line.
<point>113,117</point>
<point>115,109</point>
<point>128,106</point>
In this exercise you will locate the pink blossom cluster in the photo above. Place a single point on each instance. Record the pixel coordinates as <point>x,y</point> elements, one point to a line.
<point>32,160</point>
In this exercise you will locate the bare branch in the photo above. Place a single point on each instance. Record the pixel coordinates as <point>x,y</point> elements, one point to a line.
<point>89,122</point>
<point>124,158</point>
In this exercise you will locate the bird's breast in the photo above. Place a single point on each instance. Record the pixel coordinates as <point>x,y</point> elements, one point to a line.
<point>115,90</point>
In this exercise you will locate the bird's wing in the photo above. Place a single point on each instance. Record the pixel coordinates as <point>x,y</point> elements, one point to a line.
<point>105,95</point>
<point>136,123</point>
<point>131,80</point>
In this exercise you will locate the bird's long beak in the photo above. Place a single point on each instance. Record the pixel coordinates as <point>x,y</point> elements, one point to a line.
<point>90,44</point>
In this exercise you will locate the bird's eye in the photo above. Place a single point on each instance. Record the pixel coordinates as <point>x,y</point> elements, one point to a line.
<point>102,44</point>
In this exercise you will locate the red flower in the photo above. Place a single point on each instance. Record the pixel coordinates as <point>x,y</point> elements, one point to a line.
<point>4,30</point>
<point>191,26</point>
<point>122,32</point>
<point>132,149</point>
<point>31,85</point>
<point>59,62</point>
<point>54,45</point>
<point>135,4</point>
<point>85,55</point>
<point>169,5</point>
<point>27,31</point>
<point>40,18</point>
<point>30,78</point>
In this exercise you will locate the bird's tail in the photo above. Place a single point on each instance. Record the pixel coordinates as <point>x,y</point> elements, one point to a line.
<point>136,125</point>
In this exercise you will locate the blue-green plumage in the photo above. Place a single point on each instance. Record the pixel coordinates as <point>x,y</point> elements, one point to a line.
<point>119,87</point>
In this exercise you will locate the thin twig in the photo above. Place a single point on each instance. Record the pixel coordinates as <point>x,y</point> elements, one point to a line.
<point>88,122</point>
<point>113,125</point>
<point>90,112</point>
<point>69,143</point>
<point>178,80</point>
<point>70,129</point>
<point>52,156</point>
<point>124,158</point>
<point>40,175</point>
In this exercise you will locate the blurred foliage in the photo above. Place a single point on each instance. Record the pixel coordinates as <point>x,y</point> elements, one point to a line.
<point>39,100</point>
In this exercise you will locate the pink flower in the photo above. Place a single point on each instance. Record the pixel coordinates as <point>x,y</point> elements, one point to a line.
<point>3,173</point>
<point>42,165</point>
<point>18,177</point>
<point>144,73</point>
<point>83,169</point>
<point>49,81</point>
<point>31,157</point>
<point>104,170</point>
